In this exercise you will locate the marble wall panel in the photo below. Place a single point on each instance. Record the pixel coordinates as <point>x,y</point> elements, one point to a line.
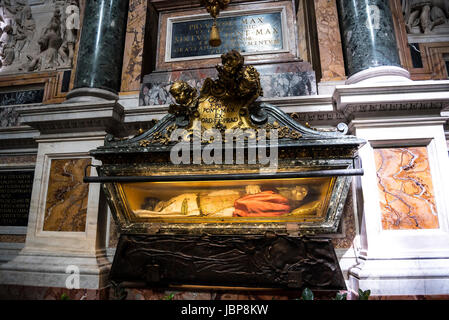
<point>347,226</point>
<point>13,238</point>
<point>329,41</point>
<point>277,80</point>
<point>8,115</point>
<point>135,34</point>
<point>67,196</point>
<point>405,188</point>
<point>302,32</point>
<point>113,234</point>
<point>21,97</point>
<point>23,159</point>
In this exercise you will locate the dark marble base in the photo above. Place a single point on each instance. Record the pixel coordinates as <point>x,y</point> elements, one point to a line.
<point>278,80</point>
<point>253,261</point>
<point>8,117</point>
<point>21,97</point>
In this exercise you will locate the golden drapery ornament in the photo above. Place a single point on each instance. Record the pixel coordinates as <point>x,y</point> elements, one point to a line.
<point>214,7</point>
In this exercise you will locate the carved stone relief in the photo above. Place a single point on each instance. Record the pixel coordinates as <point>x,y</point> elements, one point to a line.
<point>37,35</point>
<point>426,16</point>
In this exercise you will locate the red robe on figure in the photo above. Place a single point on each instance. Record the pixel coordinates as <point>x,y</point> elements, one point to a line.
<point>263,204</point>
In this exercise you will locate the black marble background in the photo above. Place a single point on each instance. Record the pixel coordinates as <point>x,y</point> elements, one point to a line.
<point>8,115</point>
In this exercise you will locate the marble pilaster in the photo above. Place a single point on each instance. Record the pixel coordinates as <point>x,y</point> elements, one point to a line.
<point>402,206</point>
<point>328,32</point>
<point>134,43</point>
<point>100,56</point>
<point>369,42</point>
<point>66,230</point>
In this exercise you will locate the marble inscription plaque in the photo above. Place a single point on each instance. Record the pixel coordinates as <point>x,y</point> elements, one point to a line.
<point>15,195</point>
<point>405,187</point>
<point>245,33</point>
<point>67,195</point>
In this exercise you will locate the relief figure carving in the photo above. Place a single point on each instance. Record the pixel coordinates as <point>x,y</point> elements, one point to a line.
<point>45,41</point>
<point>426,16</point>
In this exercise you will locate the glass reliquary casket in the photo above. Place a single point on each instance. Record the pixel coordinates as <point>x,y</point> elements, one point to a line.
<point>196,205</point>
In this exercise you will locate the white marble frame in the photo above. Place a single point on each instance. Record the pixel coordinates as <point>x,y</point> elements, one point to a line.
<point>407,244</point>
<point>61,241</point>
<point>230,13</point>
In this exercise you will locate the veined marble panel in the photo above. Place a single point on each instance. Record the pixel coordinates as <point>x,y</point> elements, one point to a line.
<point>405,188</point>
<point>67,196</point>
<point>22,159</point>
<point>329,41</point>
<point>135,32</point>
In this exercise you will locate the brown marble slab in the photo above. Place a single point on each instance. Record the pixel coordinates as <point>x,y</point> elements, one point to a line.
<point>22,159</point>
<point>405,188</point>
<point>14,238</point>
<point>135,33</point>
<point>329,40</point>
<point>67,196</point>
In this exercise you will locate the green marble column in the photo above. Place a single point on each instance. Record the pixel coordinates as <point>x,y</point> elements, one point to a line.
<point>100,54</point>
<point>368,36</point>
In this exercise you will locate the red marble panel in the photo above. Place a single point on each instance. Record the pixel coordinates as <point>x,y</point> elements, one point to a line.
<point>405,187</point>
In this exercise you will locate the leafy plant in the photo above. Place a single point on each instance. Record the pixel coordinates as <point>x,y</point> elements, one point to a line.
<point>364,295</point>
<point>341,296</point>
<point>307,294</point>
<point>169,296</point>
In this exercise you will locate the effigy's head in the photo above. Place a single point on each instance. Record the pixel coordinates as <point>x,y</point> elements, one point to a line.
<point>182,92</point>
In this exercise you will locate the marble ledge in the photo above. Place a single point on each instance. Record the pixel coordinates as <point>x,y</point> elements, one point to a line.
<point>72,117</point>
<point>401,276</point>
<point>18,132</point>
<point>397,122</point>
<point>19,138</point>
<point>406,92</point>
<point>300,104</point>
